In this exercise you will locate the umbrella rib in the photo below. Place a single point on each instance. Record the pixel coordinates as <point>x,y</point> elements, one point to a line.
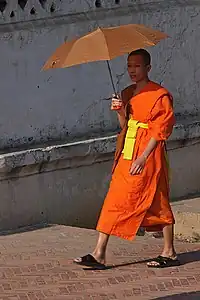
<point>69,52</point>
<point>108,53</point>
<point>141,34</point>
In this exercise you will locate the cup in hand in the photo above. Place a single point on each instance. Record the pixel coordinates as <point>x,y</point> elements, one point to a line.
<point>116,103</point>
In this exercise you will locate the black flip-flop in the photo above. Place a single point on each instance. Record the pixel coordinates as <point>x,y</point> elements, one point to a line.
<point>89,261</point>
<point>163,262</point>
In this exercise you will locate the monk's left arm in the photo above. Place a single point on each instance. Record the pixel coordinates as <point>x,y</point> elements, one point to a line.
<point>161,123</point>
<point>150,147</point>
<point>160,127</point>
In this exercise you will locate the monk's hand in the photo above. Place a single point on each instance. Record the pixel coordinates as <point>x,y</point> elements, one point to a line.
<point>138,165</point>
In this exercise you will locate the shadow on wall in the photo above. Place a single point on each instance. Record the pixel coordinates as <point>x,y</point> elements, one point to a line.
<point>184,296</point>
<point>26,229</point>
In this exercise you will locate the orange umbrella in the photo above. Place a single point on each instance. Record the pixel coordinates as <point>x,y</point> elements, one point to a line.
<point>104,44</point>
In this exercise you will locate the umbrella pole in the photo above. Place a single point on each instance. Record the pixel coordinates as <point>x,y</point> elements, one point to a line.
<point>111,78</point>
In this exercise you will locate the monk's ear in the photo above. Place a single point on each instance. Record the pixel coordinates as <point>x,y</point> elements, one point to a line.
<point>148,68</point>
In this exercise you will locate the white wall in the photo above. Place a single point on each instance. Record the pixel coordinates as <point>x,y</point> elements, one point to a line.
<point>37,107</point>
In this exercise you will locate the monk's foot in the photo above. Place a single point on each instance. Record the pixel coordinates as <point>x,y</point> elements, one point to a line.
<point>163,262</point>
<point>168,258</point>
<point>100,257</point>
<point>90,261</point>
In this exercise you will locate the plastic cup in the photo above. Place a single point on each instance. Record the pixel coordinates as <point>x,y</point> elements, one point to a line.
<point>116,103</point>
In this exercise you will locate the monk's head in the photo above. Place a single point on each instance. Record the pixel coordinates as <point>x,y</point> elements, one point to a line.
<point>139,65</point>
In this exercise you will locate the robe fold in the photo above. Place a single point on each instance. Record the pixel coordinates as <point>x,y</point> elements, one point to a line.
<point>141,200</point>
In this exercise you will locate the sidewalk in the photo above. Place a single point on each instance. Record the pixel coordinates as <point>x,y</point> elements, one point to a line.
<point>187,216</point>
<point>38,265</point>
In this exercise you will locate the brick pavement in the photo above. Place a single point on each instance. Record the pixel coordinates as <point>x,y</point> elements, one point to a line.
<point>38,265</point>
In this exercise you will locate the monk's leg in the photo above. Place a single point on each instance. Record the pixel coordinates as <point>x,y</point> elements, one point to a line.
<point>99,252</point>
<point>168,233</point>
<point>168,257</point>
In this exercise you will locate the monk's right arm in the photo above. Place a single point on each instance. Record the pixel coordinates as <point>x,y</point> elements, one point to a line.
<point>121,112</point>
<point>121,117</point>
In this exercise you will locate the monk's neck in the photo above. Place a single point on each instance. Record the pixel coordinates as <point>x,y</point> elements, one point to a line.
<point>140,85</point>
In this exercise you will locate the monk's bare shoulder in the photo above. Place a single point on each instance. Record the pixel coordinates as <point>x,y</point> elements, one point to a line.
<point>127,93</point>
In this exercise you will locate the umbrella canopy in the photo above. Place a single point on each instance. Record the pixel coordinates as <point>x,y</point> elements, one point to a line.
<point>104,44</point>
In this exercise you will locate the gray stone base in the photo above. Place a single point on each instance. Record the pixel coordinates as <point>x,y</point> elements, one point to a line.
<point>66,184</point>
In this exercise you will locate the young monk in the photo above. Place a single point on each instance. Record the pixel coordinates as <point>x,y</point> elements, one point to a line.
<point>139,191</point>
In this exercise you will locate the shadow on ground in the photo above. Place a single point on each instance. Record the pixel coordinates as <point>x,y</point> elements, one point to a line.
<point>184,296</point>
<point>25,229</point>
<point>189,257</point>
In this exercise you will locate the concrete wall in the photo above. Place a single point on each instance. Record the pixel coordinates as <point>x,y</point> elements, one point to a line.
<point>66,184</point>
<point>38,109</point>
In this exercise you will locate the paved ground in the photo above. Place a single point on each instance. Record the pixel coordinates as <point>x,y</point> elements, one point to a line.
<point>37,265</point>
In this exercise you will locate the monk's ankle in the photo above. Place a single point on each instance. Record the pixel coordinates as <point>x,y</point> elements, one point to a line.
<point>99,255</point>
<point>169,253</point>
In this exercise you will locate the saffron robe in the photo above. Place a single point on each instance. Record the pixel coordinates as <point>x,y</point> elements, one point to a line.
<point>141,200</point>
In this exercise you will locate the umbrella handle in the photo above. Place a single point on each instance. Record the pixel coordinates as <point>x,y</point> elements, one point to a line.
<point>111,78</point>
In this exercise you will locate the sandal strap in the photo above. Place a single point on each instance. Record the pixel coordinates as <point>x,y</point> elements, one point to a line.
<point>160,260</point>
<point>88,259</point>
<point>169,258</point>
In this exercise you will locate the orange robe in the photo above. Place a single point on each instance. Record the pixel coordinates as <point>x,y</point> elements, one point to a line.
<point>142,200</point>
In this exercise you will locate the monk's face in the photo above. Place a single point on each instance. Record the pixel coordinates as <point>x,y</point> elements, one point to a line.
<point>137,69</point>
